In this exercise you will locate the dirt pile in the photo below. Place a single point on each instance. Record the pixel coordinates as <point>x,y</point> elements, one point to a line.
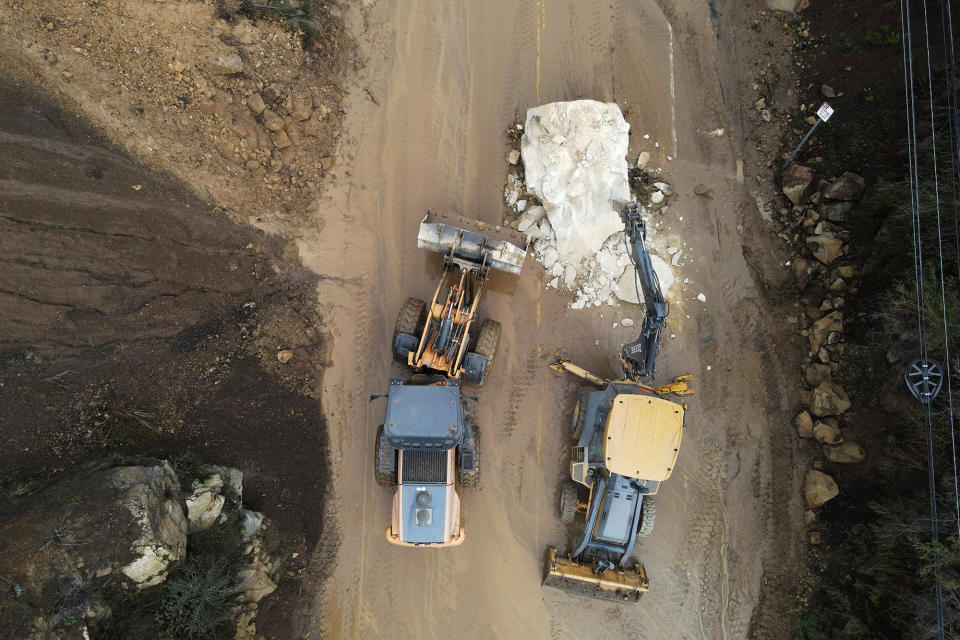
<point>244,110</point>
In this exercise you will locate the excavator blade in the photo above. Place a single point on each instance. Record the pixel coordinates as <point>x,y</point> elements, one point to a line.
<point>471,240</point>
<point>566,574</point>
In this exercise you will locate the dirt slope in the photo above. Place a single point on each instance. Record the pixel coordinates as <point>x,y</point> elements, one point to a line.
<point>140,321</point>
<point>447,78</point>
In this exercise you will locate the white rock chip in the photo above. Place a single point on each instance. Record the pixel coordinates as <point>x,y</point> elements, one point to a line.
<point>150,495</point>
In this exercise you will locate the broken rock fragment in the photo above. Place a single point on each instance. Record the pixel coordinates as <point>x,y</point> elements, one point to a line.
<point>846,453</point>
<point>819,488</point>
<point>849,186</point>
<point>828,399</point>
<point>226,65</point>
<point>826,247</point>
<point>797,182</point>
<point>803,423</point>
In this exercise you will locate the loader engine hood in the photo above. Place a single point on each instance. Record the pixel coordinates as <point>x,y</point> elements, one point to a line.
<point>643,436</point>
<point>423,416</point>
<point>423,513</point>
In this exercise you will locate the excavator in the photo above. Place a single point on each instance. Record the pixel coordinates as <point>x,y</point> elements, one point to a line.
<point>626,440</point>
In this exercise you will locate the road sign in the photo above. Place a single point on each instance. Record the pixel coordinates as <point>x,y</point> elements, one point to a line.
<point>824,112</point>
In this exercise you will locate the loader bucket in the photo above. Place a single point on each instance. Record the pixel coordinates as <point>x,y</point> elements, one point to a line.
<point>472,240</point>
<point>566,574</point>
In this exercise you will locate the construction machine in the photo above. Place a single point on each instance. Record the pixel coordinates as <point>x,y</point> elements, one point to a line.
<point>428,443</point>
<point>441,337</point>
<point>627,437</point>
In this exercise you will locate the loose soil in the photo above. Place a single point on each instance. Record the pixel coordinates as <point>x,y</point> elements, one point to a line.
<point>430,90</point>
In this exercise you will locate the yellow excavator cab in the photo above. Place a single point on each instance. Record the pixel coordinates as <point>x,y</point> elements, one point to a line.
<point>643,436</point>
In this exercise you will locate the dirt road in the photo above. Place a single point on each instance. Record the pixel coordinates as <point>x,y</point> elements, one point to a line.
<point>424,130</point>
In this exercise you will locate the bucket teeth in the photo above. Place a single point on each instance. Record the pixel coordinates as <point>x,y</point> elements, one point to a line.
<point>499,247</point>
<point>624,586</point>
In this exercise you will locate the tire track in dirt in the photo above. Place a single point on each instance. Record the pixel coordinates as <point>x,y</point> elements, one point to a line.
<point>453,76</point>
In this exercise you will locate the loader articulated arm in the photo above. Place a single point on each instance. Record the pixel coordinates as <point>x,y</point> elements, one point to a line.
<point>640,356</point>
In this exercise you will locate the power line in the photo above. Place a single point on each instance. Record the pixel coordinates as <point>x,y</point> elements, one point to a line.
<point>913,151</point>
<point>954,118</point>
<point>951,122</point>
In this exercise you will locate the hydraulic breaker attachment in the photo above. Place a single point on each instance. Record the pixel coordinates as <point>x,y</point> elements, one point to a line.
<point>617,585</point>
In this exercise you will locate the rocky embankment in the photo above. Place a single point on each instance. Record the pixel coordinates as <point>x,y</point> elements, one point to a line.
<point>825,279</point>
<point>67,549</point>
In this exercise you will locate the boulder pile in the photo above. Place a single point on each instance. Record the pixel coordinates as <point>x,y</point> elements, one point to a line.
<point>824,278</point>
<point>567,177</point>
<point>127,525</point>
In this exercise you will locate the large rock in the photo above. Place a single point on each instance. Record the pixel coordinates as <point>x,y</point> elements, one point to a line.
<point>816,373</point>
<point>803,423</point>
<point>205,503</point>
<point>828,399</point>
<point>827,432</point>
<point>849,186</point>
<point>796,182</point>
<point>837,212</point>
<point>151,495</point>
<point>103,523</point>
<point>804,271</point>
<point>847,453</point>
<point>826,247</point>
<point>819,488</point>
<point>254,580</point>
<point>821,329</point>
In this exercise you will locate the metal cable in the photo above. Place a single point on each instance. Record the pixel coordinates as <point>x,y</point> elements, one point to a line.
<point>910,97</point>
<point>951,122</point>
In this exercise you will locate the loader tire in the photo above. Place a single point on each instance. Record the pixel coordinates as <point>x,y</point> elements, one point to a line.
<point>579,417</point>
<point>488,337</point>
<point>383,479</point>
<point>410,318</point>
<point>568,502</point>
<point>648,513</point>
<point>487,340</point>
<point>470,478</point>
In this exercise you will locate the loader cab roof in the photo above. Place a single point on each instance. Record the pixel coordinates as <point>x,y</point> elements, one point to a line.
<point>642,436</point>
<point>423,412</point>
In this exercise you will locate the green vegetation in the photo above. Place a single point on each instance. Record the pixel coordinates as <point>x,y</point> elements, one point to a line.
<point>197,603</point>
<point>874,571</point>
<point>886,35</point>
<point>876,565</point>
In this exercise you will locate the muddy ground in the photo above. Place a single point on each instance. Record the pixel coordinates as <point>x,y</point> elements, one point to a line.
<point>445,77</point>
<point>427,96</point>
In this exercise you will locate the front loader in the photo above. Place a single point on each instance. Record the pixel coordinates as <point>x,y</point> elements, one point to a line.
<point>428,444</point>
<point>443,336</point>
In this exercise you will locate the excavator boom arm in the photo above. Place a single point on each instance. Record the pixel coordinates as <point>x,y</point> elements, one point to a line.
<point>640,356</point>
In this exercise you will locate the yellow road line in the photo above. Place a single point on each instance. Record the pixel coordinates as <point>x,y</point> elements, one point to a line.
<point>539,435</point>
<point>541,23</point>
